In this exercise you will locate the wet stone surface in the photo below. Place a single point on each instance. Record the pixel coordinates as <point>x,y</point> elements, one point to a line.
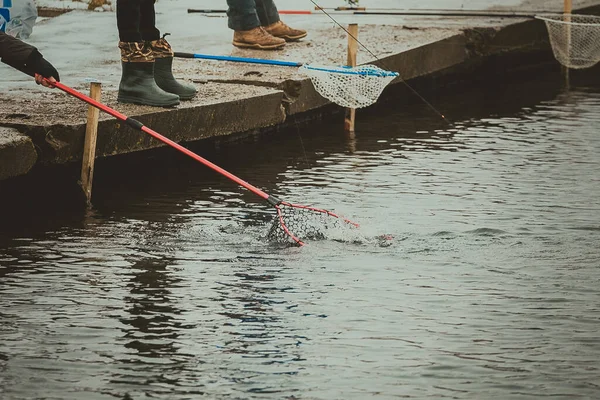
<point>17,153</point>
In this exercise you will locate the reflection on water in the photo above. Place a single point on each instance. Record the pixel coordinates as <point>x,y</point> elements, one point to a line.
<point>475,273</point>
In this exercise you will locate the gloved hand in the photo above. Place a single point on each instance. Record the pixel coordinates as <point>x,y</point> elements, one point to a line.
<point>38,67</point>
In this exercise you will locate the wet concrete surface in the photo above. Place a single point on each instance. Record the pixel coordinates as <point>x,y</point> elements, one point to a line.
<point>235,98</point>
<point>17,153</point>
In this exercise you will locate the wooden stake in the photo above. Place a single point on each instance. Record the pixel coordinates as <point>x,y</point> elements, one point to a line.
<point>568,9</point>
<point>89,148</point>
<point>352,52</point>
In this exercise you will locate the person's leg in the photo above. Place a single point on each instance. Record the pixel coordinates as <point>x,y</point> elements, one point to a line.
<point>267,12</point>
<point>163,71</point>
<point>162,53</point>
<point>242,15</point>
<point>137,61</point>
<point>148,21</point>
<point>248,32</point>
<point>269,18</point>
<point>128,21</point>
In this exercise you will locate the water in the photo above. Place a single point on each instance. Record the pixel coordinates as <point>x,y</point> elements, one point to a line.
<point>489,287</point>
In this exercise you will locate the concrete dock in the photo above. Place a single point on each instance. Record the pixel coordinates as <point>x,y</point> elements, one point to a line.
<point>41,127</point>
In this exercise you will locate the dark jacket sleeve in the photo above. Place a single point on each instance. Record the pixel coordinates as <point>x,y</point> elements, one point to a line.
<point>15,52</point>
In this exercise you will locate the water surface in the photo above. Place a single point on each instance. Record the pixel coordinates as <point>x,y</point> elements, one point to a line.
<point>167,289</point>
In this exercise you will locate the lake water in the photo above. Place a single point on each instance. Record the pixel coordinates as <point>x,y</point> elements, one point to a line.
<point>486,285</point>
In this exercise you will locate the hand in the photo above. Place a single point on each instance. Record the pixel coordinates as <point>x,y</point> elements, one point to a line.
<point>40,80</point>
<point>39,68</point>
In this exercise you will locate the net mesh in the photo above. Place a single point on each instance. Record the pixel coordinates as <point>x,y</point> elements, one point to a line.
<point>575,39</point>
<point>296,224</point>
<point>349,87</point>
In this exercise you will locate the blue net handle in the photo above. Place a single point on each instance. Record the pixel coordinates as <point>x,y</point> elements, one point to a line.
<point>365,71</point>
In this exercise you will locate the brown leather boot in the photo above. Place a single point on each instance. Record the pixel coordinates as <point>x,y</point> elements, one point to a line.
<point>257,38</point>
<point>281,30</point>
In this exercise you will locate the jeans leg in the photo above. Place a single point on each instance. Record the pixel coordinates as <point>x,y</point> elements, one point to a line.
<point>148,21</point>
<point>128,20</point>
<point>267,12</point>
<point>242,15</point>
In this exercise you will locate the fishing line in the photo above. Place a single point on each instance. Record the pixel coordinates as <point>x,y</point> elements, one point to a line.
<point>383,64</point>
<point>297,125</point>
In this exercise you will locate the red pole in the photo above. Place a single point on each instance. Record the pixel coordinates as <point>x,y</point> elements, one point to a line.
<point>136,124</point>
<point>297,12</point>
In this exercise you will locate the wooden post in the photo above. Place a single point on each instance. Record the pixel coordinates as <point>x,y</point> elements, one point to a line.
<point>89,149</point>
<point>568,9</point>
<point>352,52</point>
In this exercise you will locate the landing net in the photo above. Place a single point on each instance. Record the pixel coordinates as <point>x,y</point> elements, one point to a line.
<point>295,224</point>
<point>351,87</point>
<point>575,39</point>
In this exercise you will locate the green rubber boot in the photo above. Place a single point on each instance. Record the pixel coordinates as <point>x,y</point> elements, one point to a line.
<point>138,86</point>
<point>163,70</point>
<point>163,75</point>
<point>137,79</point>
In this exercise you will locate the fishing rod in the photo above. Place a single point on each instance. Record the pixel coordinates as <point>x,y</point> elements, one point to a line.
<point>450,13</point>
<point>440,11</point>
<point>325,89</point>
<point>282,12</point>
<point>423,99</point>
<point>206,11</point>
<point>399,12</point>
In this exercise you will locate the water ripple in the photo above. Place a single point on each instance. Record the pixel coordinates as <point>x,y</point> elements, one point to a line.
<point>474,273</point>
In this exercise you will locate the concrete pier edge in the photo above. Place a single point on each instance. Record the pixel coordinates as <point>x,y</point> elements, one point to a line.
<point>28,140</point>
<point>17,153</point>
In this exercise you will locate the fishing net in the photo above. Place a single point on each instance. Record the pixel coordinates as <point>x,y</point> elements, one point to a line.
<point>575,39</point>
<point>295,223</point>
<point>351,87</point>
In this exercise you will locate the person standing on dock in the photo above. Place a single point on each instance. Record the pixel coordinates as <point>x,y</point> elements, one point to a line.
<point>256,25</point>
<point>146,59</point>
<point>28,59</point>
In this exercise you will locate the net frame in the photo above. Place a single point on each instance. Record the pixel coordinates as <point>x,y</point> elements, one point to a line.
<point>286,228</point>
<point>350,87</point>
<point>575,38</point>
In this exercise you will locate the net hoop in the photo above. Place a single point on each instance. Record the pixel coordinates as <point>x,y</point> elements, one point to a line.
<point>296,223</point>
<point>563,19</point>
<point>575,38</point>
<point>366,70</point>
<point>351,87</point>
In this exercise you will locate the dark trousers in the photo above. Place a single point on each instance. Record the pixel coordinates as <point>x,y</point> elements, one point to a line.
<point>136,21</point>
<point>248,14</point>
